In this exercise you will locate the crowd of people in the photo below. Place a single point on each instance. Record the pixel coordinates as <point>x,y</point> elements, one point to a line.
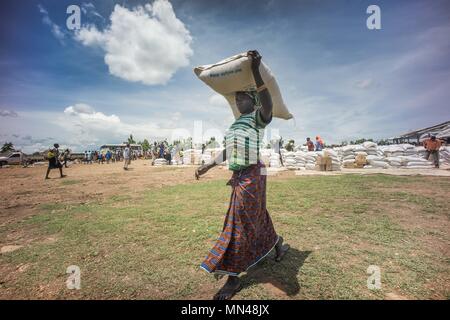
<point>107,156</point>
<point>169,152</point>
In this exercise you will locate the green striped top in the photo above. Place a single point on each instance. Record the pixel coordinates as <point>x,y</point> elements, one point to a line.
<point>243,140</point>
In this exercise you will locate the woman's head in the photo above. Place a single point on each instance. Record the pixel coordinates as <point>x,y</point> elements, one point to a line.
<point>245,102</point>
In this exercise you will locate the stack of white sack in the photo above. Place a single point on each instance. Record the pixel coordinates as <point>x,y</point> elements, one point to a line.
<point>301,148</point>
<point>205,157</point>
<point>374,157</point>
<point>160,162</point>
<point>415,162</point>
<point>289,160</point>
<point>397,150</point>
<point>192,156</point>
<point>335,162</point>
<point>348,155</point>
<point>420,151</point>
<point>187,159</point>
<point>310,160</point>
<point>375,161</point>
<point>395,162</point>
<point>265,156</point>
<point>300,160</point>
<point>444,156</point>
<point>274,161</point>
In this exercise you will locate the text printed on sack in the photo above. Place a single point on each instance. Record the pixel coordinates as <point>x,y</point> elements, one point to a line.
<point>225,73</point>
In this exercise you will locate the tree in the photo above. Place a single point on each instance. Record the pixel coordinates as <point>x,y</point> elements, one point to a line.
<point>361,141</point>
<point>383,142</point>
<point>7,147</point>
<point>145,145</point>
<point>131,140</point>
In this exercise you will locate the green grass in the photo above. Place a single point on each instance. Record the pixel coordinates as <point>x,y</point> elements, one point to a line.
<point>336,225</point>
<point>69,182</point>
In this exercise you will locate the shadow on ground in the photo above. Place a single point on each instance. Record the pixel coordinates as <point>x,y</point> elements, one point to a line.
<point>281,278</point>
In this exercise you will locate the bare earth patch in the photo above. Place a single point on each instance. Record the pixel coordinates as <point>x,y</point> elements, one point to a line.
<point>140,234</point>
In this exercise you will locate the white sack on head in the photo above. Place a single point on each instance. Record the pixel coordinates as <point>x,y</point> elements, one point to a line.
<point>235,74</point>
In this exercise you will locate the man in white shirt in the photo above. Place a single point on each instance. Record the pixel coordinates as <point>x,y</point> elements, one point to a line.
<point>126,156</point>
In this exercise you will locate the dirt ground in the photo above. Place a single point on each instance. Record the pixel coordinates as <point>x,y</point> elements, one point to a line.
<point>24,189</point>
<point>415,207</point>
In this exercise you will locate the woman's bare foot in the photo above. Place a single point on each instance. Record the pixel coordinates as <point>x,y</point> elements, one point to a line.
<point>280,249</point>
<point>229,289</point>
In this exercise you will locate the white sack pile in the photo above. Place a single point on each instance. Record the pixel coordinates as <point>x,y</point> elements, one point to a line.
<point>160,162</point>
<point>274,160</point>
<point>192,156</point>
<point>444,156</point>
<point>335,161</point>
<point>300,160</point>
<point>310,160</point>
<point>350,153</point>
<point>406,156</point>
<point>288,159</point>
<point>295,160</point>
<point>415,162</point>
<point>265,156</point>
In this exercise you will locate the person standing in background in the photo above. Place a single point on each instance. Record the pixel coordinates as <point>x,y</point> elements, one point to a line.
<point>309,144</point>
<point>53,161</point>
<point>126,156</point>
<point>432,146</point>
<point>319,143</point>
<point>161,150</point>
<point>108,156</point>
<point>66,156</point>
<point>280,146</point>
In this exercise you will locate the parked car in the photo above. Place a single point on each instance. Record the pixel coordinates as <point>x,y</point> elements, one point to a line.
<point>12,158</point>
<point>18,158</point>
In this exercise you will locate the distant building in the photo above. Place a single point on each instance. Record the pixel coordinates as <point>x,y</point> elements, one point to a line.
<point>441,131</point>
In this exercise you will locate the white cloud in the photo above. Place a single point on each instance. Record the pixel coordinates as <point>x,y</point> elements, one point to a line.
<point>54,28</point>
<point>145,44</point>
<point>85,126</point>
<point>365,83</point>
<point>88,116</point>
<point>89,10</point>
<point>218,100</point>
<point>79,108</point>
<point>8,113</point>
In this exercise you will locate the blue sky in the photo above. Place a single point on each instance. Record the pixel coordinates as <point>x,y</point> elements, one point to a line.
<point>338,78</point>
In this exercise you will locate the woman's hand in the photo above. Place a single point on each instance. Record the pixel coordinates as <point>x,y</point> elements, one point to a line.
<point>201,171</point>
<point>256,59</point>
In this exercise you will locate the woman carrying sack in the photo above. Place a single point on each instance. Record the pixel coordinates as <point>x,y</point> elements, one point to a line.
<point>248,234</point>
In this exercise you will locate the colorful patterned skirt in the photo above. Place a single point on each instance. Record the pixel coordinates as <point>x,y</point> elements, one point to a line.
<point>248,234</point>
